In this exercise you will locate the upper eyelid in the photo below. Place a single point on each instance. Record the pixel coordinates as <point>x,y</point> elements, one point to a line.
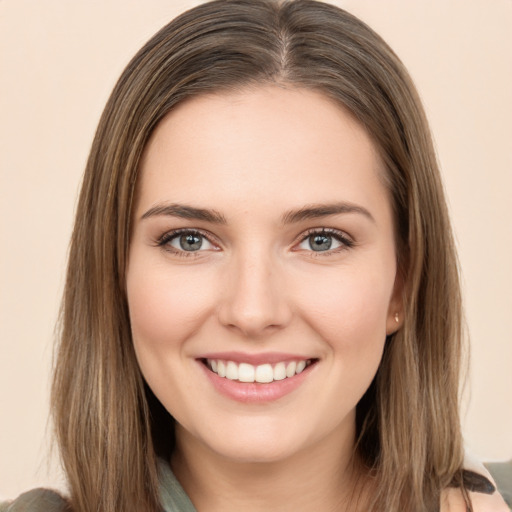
<point>168,235</point>
<point>324,230</point>
<point>179,231</point>
<point>346,241</point>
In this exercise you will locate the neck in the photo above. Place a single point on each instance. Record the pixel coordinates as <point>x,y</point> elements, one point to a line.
<point>321,477</point>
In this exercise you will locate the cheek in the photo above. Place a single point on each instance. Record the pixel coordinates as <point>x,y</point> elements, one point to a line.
<point>349,301</point>
<point>165,304</point>
<point>349,310</point>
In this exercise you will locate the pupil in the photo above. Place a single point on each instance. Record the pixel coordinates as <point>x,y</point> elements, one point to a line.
<point>191,242</point>
<point>320,242</point>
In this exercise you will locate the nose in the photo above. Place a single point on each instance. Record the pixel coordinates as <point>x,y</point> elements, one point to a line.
<point>254,300</point>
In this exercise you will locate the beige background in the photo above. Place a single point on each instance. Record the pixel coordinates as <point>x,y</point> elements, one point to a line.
<point>58,62</point>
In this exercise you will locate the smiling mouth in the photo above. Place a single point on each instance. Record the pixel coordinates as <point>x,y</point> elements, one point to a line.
<point>262,373</point>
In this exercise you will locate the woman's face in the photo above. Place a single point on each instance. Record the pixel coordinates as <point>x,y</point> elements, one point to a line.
<point>261,278</point>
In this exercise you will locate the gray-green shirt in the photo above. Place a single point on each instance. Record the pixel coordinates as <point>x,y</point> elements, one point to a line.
<point>173,497</point>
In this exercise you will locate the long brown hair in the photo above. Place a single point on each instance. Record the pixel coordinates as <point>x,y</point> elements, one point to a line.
<point>109,426</point>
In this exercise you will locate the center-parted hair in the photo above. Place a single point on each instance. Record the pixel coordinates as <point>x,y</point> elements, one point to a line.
<point>109,426</point>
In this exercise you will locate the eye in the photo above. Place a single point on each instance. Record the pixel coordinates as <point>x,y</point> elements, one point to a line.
<point>325,241</point>
<point>186,241</point>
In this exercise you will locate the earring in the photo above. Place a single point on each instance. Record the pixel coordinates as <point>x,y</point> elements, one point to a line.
<point>397,318</point>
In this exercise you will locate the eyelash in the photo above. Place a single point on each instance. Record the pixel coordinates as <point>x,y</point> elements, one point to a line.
<point>171,235</point>
<point>340,236</point>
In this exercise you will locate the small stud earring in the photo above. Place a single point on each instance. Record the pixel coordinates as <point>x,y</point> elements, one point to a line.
<point>397,318</point>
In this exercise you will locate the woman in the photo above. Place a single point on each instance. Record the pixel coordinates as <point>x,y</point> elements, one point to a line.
<point>262,307</point>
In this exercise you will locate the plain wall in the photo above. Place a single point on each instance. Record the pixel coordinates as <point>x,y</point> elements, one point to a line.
<point>58,63</point>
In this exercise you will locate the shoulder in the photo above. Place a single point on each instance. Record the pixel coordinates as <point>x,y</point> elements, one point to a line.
<point>502,474</point>
<point>453,501</point>
<point>481,491</point>
<point>36,500</point>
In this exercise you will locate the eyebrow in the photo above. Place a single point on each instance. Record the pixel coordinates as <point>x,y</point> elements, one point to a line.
<point>317,211</point>
<point>314,211</point>
<point>185,212</point>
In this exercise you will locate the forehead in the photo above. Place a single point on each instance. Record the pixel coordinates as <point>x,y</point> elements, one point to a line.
<point>275,143</point>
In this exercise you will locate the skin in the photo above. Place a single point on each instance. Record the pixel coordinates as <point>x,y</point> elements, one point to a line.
<point>452,501</point>
<point>257,286</point>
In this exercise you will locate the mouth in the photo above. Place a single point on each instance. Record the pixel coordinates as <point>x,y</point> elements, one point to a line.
<point>265,373</point>
<point>258,378</point>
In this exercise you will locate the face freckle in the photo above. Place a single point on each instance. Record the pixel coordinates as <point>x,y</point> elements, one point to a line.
<point>263,236</point>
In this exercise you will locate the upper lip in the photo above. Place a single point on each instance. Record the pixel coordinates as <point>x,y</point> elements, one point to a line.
<point>255,359</point>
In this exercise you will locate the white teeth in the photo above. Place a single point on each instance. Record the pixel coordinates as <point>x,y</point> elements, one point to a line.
<point>290,369</point>
<point>232,371</point>
<point>300,366</point>
<point>245,372</point>
<point>279,371</point>
<point>263,373</point>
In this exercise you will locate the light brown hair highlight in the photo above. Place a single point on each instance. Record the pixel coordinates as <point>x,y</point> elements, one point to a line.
<point>110,428</point>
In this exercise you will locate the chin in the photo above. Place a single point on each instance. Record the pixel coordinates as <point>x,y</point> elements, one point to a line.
<point>255,453</point>
<point>253,443</point>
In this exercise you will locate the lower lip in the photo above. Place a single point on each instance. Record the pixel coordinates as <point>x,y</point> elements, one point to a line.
<point>254,392</point>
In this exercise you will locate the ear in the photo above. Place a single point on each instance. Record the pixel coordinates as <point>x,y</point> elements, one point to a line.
<point>395,317</point>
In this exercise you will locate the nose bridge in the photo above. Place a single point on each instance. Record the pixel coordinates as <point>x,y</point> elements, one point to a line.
<point>254,299</point>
